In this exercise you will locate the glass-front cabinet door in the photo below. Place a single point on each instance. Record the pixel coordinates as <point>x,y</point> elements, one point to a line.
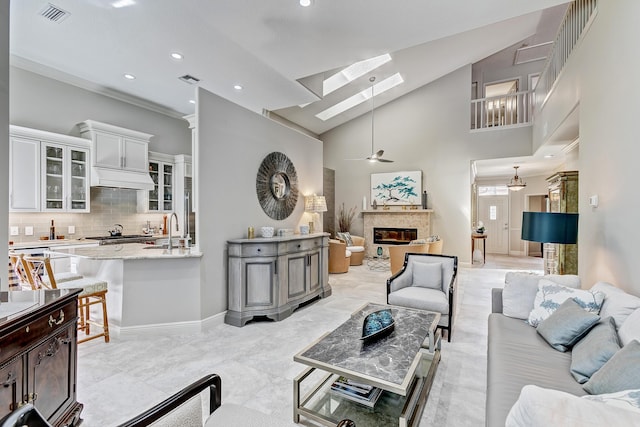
<point>54,187</point>
<point>167,194</point>
<point>66,182</point>
<point>153,194</point>
<point>161,197</point>
<point>79,179</point>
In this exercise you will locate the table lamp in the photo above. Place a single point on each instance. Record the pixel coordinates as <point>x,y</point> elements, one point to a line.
<point>550,228</point>
<point>314,204</point>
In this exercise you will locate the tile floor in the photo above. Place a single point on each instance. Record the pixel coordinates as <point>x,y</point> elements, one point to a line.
<point>131,373</point>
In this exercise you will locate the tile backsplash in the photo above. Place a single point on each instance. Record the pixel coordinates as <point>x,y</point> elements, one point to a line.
<point>109,206</point>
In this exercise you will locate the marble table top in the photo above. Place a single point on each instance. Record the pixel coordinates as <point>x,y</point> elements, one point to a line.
<point>389,362</point>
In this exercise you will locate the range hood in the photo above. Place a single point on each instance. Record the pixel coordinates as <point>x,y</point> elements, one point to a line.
<point>104,177</point>
<point>119,156</point>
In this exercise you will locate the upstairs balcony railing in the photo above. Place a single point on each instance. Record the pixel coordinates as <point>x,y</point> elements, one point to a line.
<point>513,109</point>
<point>579,16</point>
<point>517,109</point>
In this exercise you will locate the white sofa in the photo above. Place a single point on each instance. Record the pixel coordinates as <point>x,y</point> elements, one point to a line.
<point>530,383</point>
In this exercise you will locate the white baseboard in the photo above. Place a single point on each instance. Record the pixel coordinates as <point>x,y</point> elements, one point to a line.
<point>516,253</point>
<point>170,328</point>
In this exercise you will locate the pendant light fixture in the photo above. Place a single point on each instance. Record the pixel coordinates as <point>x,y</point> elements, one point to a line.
<point>376,156</point>
<point>516,183</point>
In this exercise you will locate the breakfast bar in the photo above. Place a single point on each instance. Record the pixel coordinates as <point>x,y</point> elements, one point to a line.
<point>149,286</point>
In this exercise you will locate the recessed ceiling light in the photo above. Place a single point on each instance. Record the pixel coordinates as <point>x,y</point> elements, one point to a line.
<point>305,3</point>
<point>237,87</point>
<point>177,56</point>
<point>129,76</point>
<point>192,101</point>
<point>548,156</point>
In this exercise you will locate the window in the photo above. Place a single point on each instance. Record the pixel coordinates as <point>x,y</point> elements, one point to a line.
<point>493,213</point>
<point>493,190</point>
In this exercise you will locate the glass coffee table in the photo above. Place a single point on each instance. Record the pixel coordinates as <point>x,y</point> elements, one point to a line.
<point>402,364</point>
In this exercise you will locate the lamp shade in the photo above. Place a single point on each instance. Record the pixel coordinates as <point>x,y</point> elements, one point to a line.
<point>550,227</point>
<point>315,204</point>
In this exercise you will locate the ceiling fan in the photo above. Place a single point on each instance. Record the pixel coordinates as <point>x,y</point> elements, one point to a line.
<point>375,156</point>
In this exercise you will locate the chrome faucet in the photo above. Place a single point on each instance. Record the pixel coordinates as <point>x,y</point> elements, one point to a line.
<point>173,214</point>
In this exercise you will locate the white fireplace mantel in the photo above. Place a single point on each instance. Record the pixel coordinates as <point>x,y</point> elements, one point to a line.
<point>398,218</point>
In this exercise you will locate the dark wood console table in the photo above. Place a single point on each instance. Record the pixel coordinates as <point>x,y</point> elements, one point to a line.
<point>483,238</point>
<point>38,353</point>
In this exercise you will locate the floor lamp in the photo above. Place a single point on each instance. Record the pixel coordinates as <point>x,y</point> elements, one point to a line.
<point>550,228</point>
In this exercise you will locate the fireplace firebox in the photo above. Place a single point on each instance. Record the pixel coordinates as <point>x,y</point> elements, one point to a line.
<point>394,236</point>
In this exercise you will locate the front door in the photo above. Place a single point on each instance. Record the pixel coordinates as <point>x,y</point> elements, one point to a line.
<point>493,211</point>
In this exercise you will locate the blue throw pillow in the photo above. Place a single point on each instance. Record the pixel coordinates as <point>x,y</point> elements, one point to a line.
<point>621,372</point>
<point>567,325</point>
<point>594,350</point>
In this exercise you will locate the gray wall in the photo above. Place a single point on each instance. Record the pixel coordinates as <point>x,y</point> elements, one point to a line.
<point>427,130</point>
<point>599,79</point>
<point>232,142</point>
<point>42,103</point>
<point>4,128</point>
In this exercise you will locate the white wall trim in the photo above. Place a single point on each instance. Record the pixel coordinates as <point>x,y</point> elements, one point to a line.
<point>173,328</point>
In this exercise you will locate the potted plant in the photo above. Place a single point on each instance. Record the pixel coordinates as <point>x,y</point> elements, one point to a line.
<point>345,218</point>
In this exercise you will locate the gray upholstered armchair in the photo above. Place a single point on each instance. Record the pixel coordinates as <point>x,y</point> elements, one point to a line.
<point>426,282</point>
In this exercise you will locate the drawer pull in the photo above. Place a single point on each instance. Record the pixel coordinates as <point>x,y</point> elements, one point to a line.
<point>53,321</point>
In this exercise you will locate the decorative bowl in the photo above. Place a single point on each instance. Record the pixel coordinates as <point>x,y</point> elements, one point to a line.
<point>266,231</point>
<point>377,324</point>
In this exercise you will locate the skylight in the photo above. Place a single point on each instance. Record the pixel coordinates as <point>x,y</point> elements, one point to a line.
<point>360,97</point>
<point>352,72</point>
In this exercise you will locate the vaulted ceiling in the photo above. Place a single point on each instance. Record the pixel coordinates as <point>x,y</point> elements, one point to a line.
<point>266,47</point>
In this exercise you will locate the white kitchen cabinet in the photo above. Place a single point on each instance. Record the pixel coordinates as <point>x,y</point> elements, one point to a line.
<point>65,178</point>
<point>24,174</point>
<point>117,148</point>
<point>119,152</point>
<point>48,172</point>
<point>160,198</point>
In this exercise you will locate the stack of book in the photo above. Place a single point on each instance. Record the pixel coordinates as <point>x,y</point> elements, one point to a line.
<point>357,392</point>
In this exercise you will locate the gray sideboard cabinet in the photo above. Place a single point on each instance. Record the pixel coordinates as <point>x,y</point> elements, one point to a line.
<point>271,277</point>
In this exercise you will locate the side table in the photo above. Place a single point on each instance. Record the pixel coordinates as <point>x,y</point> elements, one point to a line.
<point>483,238</point>
<point>378,263</point>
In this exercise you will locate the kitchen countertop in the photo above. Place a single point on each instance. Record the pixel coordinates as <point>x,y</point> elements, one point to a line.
<point>34,244</point>
<point>50,243</point>
<point>127,251</point>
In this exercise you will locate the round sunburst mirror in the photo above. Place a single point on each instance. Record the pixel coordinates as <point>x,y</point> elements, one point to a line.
<point>277,186</point>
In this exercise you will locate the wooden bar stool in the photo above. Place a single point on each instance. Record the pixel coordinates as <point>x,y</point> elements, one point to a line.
<point>94,291</point>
